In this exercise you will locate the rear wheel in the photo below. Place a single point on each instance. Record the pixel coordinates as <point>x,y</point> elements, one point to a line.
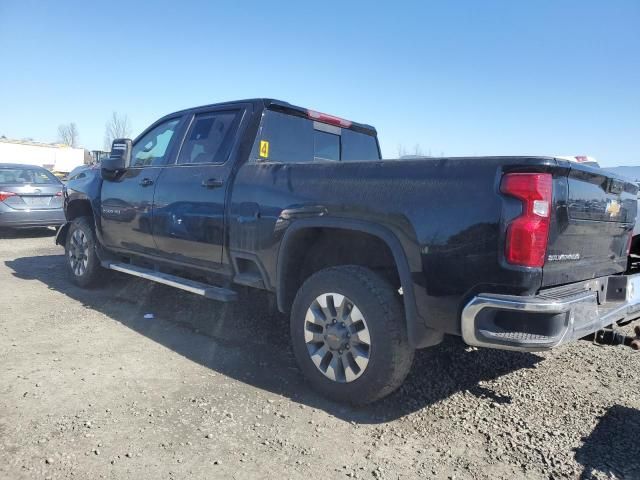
<point>349,335</point>
<point>82,261</point>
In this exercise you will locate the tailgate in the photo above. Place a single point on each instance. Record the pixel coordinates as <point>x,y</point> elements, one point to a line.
<point>594,216</point>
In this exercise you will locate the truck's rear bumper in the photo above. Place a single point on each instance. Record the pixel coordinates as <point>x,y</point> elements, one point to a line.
<point>553,317</point>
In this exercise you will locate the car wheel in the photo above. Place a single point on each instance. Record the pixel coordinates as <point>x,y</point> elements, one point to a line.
<point>82,261</point>
<point>349,334</point>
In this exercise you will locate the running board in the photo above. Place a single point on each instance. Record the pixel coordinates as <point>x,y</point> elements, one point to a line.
<point>215,293</point>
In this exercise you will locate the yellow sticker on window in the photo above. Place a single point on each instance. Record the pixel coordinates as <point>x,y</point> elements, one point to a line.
<point>264,149</point>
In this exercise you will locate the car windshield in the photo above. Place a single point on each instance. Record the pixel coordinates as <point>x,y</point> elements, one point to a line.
<point>22,175</point>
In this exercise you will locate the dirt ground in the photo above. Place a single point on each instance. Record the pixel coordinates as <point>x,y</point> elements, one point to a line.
<point>90,388</point>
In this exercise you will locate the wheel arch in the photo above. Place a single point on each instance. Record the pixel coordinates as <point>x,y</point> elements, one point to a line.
<point>416,330</point>
<point>74,208</point>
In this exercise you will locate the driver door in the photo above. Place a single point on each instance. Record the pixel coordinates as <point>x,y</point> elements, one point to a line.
<point>128,199</point>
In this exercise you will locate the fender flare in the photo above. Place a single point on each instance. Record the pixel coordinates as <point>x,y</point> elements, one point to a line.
<point>75,197</point>
<point>417,332</point>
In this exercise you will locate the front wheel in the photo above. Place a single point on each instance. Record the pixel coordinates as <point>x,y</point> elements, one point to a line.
<point>349,334</point>
<point>82,262</point>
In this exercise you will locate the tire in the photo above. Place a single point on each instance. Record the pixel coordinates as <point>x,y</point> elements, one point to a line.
<point>338,364</point>
<point>82,262</point>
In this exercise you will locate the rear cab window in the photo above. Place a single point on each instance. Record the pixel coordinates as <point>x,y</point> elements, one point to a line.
<point>294,139</point>
<point>27,176</point>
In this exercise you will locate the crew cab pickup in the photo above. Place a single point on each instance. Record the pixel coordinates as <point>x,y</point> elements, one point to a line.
<point>371,258</point>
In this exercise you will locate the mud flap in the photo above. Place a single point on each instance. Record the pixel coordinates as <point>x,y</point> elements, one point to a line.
<point>61,235</point>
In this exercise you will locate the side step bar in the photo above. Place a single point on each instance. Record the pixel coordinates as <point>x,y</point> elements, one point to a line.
<point>215,293</point>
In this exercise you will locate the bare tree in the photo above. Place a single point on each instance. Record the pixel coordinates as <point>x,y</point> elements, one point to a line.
<point>415,152</point>
<point>118,126</point>
<point>68,134</point>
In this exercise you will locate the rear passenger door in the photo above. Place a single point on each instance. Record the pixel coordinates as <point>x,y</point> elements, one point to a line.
<point>189,202</point>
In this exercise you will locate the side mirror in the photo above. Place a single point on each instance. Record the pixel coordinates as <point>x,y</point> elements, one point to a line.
<point>119,158</point>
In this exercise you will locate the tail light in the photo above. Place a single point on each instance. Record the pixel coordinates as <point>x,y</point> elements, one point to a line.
<point>5,195</point>
<point>528,234</point>
<point>629,243</point>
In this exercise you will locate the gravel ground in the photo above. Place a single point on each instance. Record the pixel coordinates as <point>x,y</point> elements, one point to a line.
<point>90,388</point>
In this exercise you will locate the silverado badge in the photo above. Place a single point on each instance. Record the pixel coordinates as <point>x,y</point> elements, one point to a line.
<point>613,208</point>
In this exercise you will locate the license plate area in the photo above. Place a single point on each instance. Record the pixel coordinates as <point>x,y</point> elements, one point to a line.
<point>37,201</point>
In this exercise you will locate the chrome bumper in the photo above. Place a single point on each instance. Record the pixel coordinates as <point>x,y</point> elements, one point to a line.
<point>544,322</point>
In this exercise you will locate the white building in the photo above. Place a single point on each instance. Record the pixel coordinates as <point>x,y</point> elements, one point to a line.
<point>54,157</point>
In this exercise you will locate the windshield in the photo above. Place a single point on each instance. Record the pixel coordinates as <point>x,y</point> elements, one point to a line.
<point>26,175</point>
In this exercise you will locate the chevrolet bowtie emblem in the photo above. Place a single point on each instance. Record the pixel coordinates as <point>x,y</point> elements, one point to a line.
<point>613,208</point>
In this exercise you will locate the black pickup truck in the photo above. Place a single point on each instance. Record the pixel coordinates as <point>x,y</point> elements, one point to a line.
<point>372,258</point>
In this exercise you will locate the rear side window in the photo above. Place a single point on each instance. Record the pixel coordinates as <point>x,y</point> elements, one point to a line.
<point>294,139</point>
<point>210,138</point>
<point>290,138</point>
<point>31,176</point>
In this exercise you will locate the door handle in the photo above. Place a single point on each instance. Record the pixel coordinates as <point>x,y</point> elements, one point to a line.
<point>145,182</point>
<point>212,183</point>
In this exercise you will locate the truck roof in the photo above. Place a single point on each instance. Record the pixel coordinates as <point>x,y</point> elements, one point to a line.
<point>280,105</point>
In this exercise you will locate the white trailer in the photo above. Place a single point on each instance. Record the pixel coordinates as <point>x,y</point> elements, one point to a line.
<point>54,157</point>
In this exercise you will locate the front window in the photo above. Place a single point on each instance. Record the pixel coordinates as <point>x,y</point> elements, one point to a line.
<point>153,147</point>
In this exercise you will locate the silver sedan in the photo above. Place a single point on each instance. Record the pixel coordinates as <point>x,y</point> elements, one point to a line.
<point>30,196</point>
